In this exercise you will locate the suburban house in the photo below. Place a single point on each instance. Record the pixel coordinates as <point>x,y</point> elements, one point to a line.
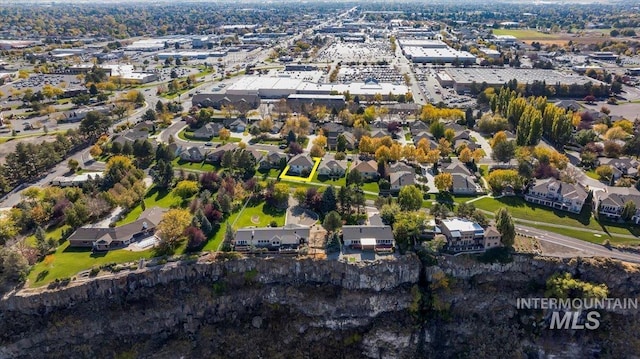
<point>235,124</point>
<point>609,203</point>
<point>426,135</point>
<point>74,181</point>
<point>273,159</point>
<point>569,105</point>
<point>351,140</point>
<point>464,181</point>
<point>130,136</point>
<point>401,179</point>
<point>208,131</point>
<point>553,193</point>
<point>332,130</point>
<point>104,239</point>
<point>466,143</point>
<point>192,154</point>
<point>465,235</point>
<point>622,167</point>
<point>300,163</point>
<point>418,126</point>
<point>375,238</point>
<point>379,133</point>
<point>368,170</point>
<point>332,168</point>
<point>287,238</point>
<point>215,155</point>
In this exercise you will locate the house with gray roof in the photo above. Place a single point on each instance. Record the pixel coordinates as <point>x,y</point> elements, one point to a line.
<point>553,193</point>
<point>418,126</point>
<point>215,155</point>
<point>208,131</point>
<point>372,237</point>
<point>273,159</point>
<point>332,168</point>
<point>401,179</point>
<point>425,135</point>
<point>622,167</point>
<point>300,163</point>
<point>192,154</point>
<point>609,202</point>
<point>278,239</point>
<point>104,239</point>
<point>464,181</point>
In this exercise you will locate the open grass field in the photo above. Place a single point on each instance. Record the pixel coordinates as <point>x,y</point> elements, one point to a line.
<point>259,215</point>
<point>195,166</point>
<point>525,34</point>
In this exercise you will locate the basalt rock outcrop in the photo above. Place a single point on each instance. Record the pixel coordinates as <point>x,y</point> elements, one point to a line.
<point>289,308</point>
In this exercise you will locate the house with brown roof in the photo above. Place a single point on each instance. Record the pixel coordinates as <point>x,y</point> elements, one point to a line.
<point>368,170</point>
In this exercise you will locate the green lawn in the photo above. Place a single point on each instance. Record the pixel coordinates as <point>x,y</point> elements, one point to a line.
<point>196,166</point>
<point>273,173</point>
<point>592,174</point>
<point>370,187</point>
<point>55,233</point>
<point>67,262</point>
<point>589,237</point>
<point>153,198</point>
<point>524,210</point>
<point>407,136</point>
<point>264,215</point>
<point>523,34</point>
<point>341,182</point>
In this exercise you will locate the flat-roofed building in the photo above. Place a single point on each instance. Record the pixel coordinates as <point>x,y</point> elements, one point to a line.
<point>437,55</point>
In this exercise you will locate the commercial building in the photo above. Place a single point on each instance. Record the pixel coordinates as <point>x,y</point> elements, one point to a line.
<point>462,78</point>
<point>437,55</point>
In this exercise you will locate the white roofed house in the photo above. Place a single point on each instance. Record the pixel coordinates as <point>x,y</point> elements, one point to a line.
<point>464,235</point>
<point>374,238</point>
<point>281,239</point>
<point>553,193</point>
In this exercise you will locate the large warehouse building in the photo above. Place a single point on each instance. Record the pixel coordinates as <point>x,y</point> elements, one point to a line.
<point>433,51</point>
<point>462,78</point>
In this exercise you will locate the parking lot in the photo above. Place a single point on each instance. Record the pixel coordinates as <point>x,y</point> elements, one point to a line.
<point>371,51</point>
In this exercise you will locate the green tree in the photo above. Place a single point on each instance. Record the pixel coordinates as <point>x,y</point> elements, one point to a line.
<point>506,227</point>
<point>410,198</point>
<point>94,125</point>
<point>13,267</point>
<point>504,151</point>
<point>332,221</point>
<point>354,178</point>
<point>629,210</point>
<point>186,189</point>
<point>388,213</point>
<point>73,164</point>
<point>328,202</point>
<point>162,174</point>
<point>437,129</point>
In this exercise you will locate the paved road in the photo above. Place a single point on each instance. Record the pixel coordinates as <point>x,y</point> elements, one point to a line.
<point>586,249</point>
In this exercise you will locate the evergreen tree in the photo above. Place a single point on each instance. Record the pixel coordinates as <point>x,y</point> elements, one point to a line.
<point>328,201</point>
<point>506,227</point>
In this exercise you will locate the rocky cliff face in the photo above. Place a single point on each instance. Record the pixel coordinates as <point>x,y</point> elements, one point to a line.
<point>287,308</point>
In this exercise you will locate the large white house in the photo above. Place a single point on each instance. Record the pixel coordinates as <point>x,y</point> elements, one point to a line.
<point>465,235</point>
<point>556,194</point>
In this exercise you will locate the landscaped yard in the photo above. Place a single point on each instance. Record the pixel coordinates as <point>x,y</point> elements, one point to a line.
<point>259,215</point>
<point>285,176</point>
<point>370,187</point>
<point>67,262</point>
<point>592,174</point>
<point>521,209</point>
<point>186,135</point>
<point>196,166</point>
<point>153,198</point>
<point>342,181</point>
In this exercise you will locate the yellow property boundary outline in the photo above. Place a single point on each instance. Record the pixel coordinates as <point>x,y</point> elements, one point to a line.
<point>283,175</point>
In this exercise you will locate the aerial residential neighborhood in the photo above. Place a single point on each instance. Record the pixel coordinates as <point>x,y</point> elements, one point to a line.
<point>339,136</point>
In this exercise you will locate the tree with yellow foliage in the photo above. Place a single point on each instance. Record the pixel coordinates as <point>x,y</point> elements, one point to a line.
<point>432,156</point>
<point>443,181</point>
<point>600,128</point>
<point>396,152</point>
<point>465,155</point>
<point>320,141</point>
<point>478,154</point>
<point>171,228</point>
<point>383,153</point>
<point>421,157</point>
<point>444,147</point>
<point>616,133</point>
<point>409,152</point>
<point>366,145</point>
<point>424,144</point>
<point>224,134</point>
